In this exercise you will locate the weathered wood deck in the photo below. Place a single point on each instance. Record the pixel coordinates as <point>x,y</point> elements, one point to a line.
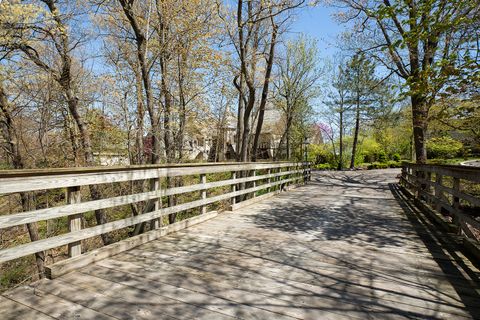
<point>341,247</point>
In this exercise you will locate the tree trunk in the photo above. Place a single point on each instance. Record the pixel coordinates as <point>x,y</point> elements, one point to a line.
<point>167,101</point>
<point>340,160</point>
<point>140,115</point>
<point>355,135</point>
<point>263,100</point>
<point>419,119</point>
<point>246,125</point>
<point>285,139</point>
<point>288,150</point>
<point>182,114</point>
<point>168,134</point>
<point>240,113</point>
<point>27,205</point>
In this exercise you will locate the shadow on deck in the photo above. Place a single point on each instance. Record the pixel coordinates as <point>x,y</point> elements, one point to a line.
<point>346,246</point>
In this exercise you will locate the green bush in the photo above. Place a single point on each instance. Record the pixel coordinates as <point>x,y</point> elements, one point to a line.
<point>394,164</point>
<point>377,165</point>
<point>369,150</point>
<point>320,154</point>
<point>396,157</point>
<point>381,156</point>
<point>323,166</point>
<point>443,147</point>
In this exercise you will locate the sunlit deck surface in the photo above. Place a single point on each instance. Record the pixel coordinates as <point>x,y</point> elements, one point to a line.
<point>342,247</point>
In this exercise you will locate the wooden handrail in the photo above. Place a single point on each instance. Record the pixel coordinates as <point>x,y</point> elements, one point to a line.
<point>12,173</point>
<point>72,180</point>
<point>426,184</point>
<point>43,181</point>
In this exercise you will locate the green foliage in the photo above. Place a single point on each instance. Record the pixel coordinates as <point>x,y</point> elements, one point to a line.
<point>325,166</point>
<point>396,157</point>
<point>372,151</point>
<point>381,156</point>
<point>443,147</point>
<point>320,154</point>
<point>392,131</point>
<point>369,148</point>
<point>377,165</point>
<point>461,116</point>
<point>394,164</point>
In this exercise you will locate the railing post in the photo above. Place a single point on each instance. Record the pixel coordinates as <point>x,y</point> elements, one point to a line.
<point>278,187</point>
<point>155,185</point>
<point>456,201</point>
<point>417,185</point>
<point>254,174</point>
<point>438,192</point>
<point>269,172</point>
<point>234,187</point>
<point>74,221</point>
<point>298,174</point>
<point>203,192</point>
<point>305,173</point>
<point>427,176</point>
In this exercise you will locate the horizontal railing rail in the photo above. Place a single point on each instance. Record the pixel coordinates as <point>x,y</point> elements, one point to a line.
<point>452,193</point>
<point>242,179</point>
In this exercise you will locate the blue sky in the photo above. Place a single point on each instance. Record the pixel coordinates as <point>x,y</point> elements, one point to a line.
<point>318,22</point>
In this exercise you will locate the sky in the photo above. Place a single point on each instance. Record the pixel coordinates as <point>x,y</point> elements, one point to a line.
<point>318,22</point>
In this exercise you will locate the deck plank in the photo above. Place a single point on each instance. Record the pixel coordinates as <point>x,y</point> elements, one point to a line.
<point>123,302</point>
<point>341,247</point>
<point>384,297</point>
<point>12,310</point>
<point>52,305</point>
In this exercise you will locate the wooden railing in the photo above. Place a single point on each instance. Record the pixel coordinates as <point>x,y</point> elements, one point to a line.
<point>451,193</point>
<point>243,180</point>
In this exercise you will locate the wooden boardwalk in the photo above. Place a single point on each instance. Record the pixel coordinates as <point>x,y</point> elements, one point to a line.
<point>341,247</point>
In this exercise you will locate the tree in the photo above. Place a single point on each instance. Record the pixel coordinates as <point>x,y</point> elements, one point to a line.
<point>49,35</point>
<point>337,107</point>
<point>134,14</point>
<point>361,85</point>
<point>426,43</point>
<point>9,134</point>
<point>296,85</point>
<point>253,36</point>
<point>460,114</point>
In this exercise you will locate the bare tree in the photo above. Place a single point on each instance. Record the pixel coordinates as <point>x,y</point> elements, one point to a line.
<point>9,134</point>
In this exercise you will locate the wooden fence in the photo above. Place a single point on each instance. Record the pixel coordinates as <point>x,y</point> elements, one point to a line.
<point>450,193</point>
<point>240,178</point>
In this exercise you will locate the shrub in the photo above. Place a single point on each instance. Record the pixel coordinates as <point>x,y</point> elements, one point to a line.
<point>377,165</point>
<point>396,157</point>
<point>381,156</point>
<point>320,154</point>
<point>443,147</point>
<point>323,166</point>
<point>394,164</point>
<point>369,150</point>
